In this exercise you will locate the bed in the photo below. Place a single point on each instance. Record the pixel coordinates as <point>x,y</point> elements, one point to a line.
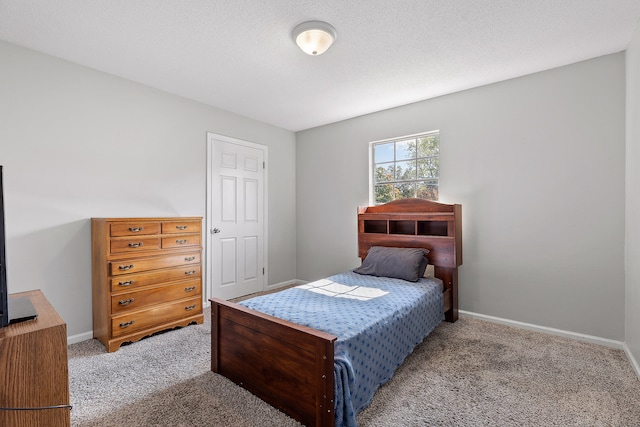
<point>293,366</point>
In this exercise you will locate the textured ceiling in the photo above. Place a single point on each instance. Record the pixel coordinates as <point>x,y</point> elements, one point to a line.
<point>238,54</point>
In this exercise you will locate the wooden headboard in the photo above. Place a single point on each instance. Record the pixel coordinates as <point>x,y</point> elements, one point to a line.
<point>418,223</point>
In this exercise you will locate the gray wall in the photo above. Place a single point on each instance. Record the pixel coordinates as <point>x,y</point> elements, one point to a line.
<point>77,143</point>
<point>538,165</point>
<point>632,334</point>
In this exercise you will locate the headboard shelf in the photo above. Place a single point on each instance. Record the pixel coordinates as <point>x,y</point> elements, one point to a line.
<point>421,224</point>
<point>402,227</point>
<point>433,228</point>
<point>379,226</point>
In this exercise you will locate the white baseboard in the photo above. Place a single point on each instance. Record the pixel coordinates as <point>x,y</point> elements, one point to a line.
<point>552,331</point>
<point>632,360</point>
<point>73,339</point>
<point>281,285</point>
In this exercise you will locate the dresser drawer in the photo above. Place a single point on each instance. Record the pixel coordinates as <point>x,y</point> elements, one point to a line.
<point>156,295</point>
<point>126,282</point>
<point>135,244</point>
<point>139,265</point>
<point>140,320</point>
<point>177,227</point>
<point>120,229</point>
<point>179,241</point>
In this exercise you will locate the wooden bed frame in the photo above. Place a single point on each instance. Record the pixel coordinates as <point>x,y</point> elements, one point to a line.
<point>291,366</point>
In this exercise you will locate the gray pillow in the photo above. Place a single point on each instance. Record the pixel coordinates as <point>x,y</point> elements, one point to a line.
<point>399,263</point>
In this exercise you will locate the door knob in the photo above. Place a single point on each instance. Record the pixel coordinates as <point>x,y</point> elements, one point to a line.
<point>215,231</point>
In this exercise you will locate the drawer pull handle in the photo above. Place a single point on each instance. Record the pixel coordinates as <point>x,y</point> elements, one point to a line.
<point>125,267</point>
<point>135,245</point>
<point>126,301</point>
<point>190,273</point>
<point>127,283</point>
<point>181,227</point>
<point>126,324</point>
<point>181,241</point>
<point>190,289</point>
<point>136,229</point>
<point>190,258</point>
<point>190,307</point>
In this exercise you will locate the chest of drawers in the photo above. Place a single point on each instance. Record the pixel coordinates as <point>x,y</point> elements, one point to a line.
<point>147,276</point>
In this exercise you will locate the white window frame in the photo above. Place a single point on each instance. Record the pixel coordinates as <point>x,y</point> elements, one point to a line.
<point>372,162</point>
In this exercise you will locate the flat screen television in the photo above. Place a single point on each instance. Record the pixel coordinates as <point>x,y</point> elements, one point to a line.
<point>4,293</point>
<point>12,310</point>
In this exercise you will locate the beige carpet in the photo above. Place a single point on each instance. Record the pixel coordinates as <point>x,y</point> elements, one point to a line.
<point>470,373</point>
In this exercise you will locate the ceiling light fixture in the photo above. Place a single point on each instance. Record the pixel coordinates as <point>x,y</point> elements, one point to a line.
<point>314,37</point>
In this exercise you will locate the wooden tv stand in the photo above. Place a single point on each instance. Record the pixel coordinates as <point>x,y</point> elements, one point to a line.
<point>34,371</point>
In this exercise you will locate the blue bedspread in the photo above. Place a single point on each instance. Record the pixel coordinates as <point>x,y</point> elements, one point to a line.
<point>378,322</point>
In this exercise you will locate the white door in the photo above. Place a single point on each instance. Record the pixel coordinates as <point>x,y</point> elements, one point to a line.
<point>236,217</point>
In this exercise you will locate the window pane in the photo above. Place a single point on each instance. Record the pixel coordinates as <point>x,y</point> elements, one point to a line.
<point>427,190</point>
<point>383,152</point>
<point>406,170</point>
<point>406,149</point>
<point>429,167</point>
<point>405,190</point>
<point>384,172</point>
<point>384,193</point>
<point>429,146</point>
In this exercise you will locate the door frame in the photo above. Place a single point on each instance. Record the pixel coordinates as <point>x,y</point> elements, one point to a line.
<point>209,226</point>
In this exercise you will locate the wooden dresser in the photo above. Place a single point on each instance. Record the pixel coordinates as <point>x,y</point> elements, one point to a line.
<point>34,373</point>
<point>147,276</point>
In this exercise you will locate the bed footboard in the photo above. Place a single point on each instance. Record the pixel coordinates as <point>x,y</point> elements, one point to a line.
<point>287,365</point>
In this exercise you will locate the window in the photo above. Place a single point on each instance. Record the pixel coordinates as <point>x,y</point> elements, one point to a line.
<point>406,167</point>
